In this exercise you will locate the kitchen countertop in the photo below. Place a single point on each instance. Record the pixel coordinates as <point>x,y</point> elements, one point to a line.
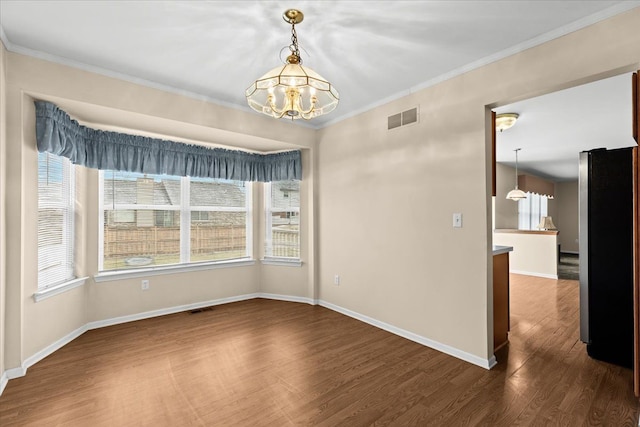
<point>497,250</point>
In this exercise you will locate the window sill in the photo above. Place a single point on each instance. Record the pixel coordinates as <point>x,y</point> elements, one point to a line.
<point>288,262</point>
<point>58,289</point>
<point>107,276</point>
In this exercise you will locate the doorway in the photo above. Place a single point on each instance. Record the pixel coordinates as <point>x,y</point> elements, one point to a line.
<point>550,132</point>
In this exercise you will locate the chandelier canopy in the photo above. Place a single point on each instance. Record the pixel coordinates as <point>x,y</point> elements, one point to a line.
<point>291,90</point>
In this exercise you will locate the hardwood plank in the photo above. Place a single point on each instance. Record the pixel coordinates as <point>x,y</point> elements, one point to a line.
<point>264,362</point>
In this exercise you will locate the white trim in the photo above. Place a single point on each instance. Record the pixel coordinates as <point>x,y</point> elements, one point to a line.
<point>21,371</point>
<point>288,262</point>
<point>45,293</point>
<point>15,372</point>
<point>12,47</point>
<point>169,310</point>
<point>4,380</point>
<point>444,348</point>
<point>248,203</point>
<point>185,219</point>
<point>531,273</point>
<point>101,219</point>
<point>32,360</point>
<point>289,298</point>
<point>108,276</point>
<point>541,39</point>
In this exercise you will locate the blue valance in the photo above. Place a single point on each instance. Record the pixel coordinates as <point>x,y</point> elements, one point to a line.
<point>59,134</point>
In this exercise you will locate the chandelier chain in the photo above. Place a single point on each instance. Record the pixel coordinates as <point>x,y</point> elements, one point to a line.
<point>293,47</point>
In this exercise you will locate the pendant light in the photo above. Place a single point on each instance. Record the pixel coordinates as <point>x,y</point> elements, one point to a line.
<point>291,90</point>
<point>516,194</point>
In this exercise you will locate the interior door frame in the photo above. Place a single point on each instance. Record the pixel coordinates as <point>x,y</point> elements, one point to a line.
<point>635,97</point>
<point>635,131</point>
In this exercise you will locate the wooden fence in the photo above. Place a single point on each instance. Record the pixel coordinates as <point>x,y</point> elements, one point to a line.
<point>139,241</point>
<point>124,242</point>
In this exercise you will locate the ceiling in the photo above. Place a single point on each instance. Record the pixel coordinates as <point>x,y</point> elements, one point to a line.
<point>553,129</point>
<point>372,52</point>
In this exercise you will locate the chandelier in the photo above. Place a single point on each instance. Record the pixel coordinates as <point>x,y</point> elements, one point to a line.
<point>291,90</point>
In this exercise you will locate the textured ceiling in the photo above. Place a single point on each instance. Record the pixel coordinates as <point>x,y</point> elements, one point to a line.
<point>372,51</point>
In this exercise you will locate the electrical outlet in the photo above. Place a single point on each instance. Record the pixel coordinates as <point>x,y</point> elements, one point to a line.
<point>336,280</point>
<point>145,285</point>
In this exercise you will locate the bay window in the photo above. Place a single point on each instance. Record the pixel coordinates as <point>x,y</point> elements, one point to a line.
<point>56,201</point>
<point>282,208</point>
<point>153,220</point>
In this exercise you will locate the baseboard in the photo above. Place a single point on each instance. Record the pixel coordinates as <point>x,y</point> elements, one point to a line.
<point>530,273</point>
<point>21,371</point>
<point>35,358</point>
<point>451,351</point>
<point>170,310</point>
<point>289,298</point>
<point>4,379</point>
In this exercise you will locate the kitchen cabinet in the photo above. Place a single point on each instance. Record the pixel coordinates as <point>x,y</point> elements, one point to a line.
<point>501,321</point>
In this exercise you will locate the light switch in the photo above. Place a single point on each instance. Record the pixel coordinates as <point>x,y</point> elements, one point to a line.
<point>457,220</point>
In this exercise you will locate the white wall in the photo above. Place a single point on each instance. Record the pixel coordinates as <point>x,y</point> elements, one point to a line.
<point>380,202</point>
<point>386,198</point>
<point>567,217</point>
<point>534,253</point>
<point>31,327</point>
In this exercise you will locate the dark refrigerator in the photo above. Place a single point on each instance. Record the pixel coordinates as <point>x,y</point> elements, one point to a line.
<point>606,254</point>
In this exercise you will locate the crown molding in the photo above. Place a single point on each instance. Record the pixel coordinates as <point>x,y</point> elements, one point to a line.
<point>536,41</point>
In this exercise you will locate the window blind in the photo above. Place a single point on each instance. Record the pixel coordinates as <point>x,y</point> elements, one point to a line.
<point>531,210</point>
<point>56,198</point>
<point>282,208</point>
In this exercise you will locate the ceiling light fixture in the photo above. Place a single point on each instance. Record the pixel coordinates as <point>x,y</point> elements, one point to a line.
<point>516,194</point>
<point>505,121</point>
<point>292,91</point>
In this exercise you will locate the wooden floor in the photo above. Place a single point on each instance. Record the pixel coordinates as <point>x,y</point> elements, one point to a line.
<point>261,362</point>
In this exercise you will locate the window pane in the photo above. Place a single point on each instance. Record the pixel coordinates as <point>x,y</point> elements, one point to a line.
<point>56,197</point>
<point>217,193</point>
<point>140,189</point>
<point>531,210</point>
<point>285,195</point>
<point>283,220</point>
<point>285,234</point>
<point>147,224</point>
<point>147,238</point>
<point>222,235</point>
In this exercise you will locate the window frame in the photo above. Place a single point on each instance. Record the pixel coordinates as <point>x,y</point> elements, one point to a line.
<point>185,210</point>
<point>526,217</point>
<point>268,258</point>
<point>68,234</point>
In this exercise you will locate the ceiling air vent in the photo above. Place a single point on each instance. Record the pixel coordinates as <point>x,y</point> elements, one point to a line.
<point>402,119</point>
